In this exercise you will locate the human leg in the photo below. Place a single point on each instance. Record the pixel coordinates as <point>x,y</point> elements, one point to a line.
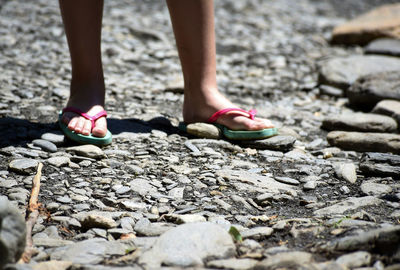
<point>193,24</point>
<point>82,22</point>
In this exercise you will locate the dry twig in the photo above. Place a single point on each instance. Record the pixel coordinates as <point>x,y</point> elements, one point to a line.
<point>32,215</point>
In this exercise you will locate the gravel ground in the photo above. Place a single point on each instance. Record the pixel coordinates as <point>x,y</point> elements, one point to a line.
<point>295,197</point>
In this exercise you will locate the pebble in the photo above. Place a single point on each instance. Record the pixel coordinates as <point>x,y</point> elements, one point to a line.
<point>287,180</point>
<point>380,164</point>
<point>204,130</point>
<point>351,203</point>
<point>197,241</point>
<point>367,122</point>
<point>365,142</point>
<point>342,72</point>
<point>257,233</point>
<point>355,259</point>
<point>310,185</point>
<point>59,161</point>
<point>346,171</point>
<point>235,264</point>
<point>386,46</point>
<point>96,220</point>
<point>375,189</point>
<point>284,260</point>
<point>55,138</point>
<point>88,150</point>
<point>45,145</point>
<point>388,107</point>
<point>187,218</point>
<point>281,143</point>
<point>23,166</point>
<point>145,228</point>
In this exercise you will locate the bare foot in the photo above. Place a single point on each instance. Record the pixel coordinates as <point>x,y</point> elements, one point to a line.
<point>200,108</point>
<point>82,125</point>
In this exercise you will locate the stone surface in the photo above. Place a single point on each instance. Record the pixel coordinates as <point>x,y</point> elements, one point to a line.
<point>349,204</point>
<point>371,88</point>
<point>257,233</point>
<point>52,265</point>
<point>380,164</point>
<point>12,233</point>
<point>204,130</point>
<point>235,264</point>
<point>355,259</point>
<point>56,138</point>
<point>23,166</point>
<point>282,143</point>
<point>88,150</point>
<point>59,161</point>
<point>45,145</point>
<point>365,142</point>
<point>367,122</point>
<point>284,260</point>
<point>342,72</point>
<point>96,220</point>
<point>375,189</point>
<point>188,218</point>
<point>380,22</point>
<point>145,228</point>
<point>388,107</point>
<point>197,241</point>
<point>346,171</point>
<point>92,251</point>
<point>386,46</point>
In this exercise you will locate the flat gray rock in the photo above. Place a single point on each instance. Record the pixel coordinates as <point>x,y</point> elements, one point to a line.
<point>287,180</point>
<point>257,233</point>
<point>87,150</point>
<point>12,233</point>
<point>386,46</point>
<point>188,245</point>
<point>380,164</point>
<point>204,130</point>
<point>355,259</point>
<point>235,264</point>
<point>45,145</point>
<point>388,107</point>
<point>23,166</point>
<point>282,143</point>
<point>145,228</point>
<point>342,72</point>
<point>375,189</point>
<point>59,161</point>
<point>348,205</point>
<point>367,122</point>
<point>370,89</point>
<point>285,260</point>
<point>90,251</point>
<point>56,138</point>
<point>365,142</point>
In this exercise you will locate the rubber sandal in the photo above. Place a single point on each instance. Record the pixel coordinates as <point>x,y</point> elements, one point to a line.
<point>238,134</point>
<point>80,138</point>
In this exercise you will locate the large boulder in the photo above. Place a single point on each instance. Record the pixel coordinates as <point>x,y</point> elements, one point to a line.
<point>380,22</point>
<point>12,233</point>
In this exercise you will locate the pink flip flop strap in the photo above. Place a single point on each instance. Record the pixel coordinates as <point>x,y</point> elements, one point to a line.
<point>235,111</point>
<point>92,119</point>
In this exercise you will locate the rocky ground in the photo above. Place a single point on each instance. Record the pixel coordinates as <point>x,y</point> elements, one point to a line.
<point>158,197</point>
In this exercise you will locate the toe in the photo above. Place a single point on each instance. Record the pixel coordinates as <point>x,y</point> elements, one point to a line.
<point>79,125</point>
<point>72,123</point>
<point>100,130</point>
<point>87,126</point>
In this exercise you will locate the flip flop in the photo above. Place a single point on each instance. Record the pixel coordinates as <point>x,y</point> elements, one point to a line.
<point>80,138</point>
<point>238,134</point>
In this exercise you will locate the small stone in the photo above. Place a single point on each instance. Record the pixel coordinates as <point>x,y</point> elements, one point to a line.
<point>347,205</point>
<point>133,206</point>
<point>345,189</point>
<point>365,142</point>
<point>50,242</point>
<point>388,107</point>
<point>368,90</point>
<point>197,241</point>
<point>45,145</point>
<point>281,260</point>
<point>64,199</point>
<point>88,150</point>
<point>367,122</point>
<point>56,138</point>
<point>23,166</point>
<point>235,264</point>
<point>375,189</point>
<point>346,171</point>
<point>59,161</point>
<point>386,46</point>
<point>96,220</point>
<point>145,228</point>
<point>331,91</point>
<point>287,180</point>
<point>380,164</point>
<point>187,218</point>
<point>53,265</point>
<point>176,193</point>
<point>282,143</point>
<point>12,233</point>
<point>257,233</point>
<point>355,259</point>
<point>204,130</point>
<point>310,185</point>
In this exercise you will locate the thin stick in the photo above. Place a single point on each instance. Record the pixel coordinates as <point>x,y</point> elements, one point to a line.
<point>33,213</point>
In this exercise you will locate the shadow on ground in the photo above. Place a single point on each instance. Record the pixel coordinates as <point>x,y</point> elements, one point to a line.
<point>19,132</point>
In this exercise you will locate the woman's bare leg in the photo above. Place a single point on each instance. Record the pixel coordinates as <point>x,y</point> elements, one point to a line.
<point>193,24</point>
<point>82,22</point>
